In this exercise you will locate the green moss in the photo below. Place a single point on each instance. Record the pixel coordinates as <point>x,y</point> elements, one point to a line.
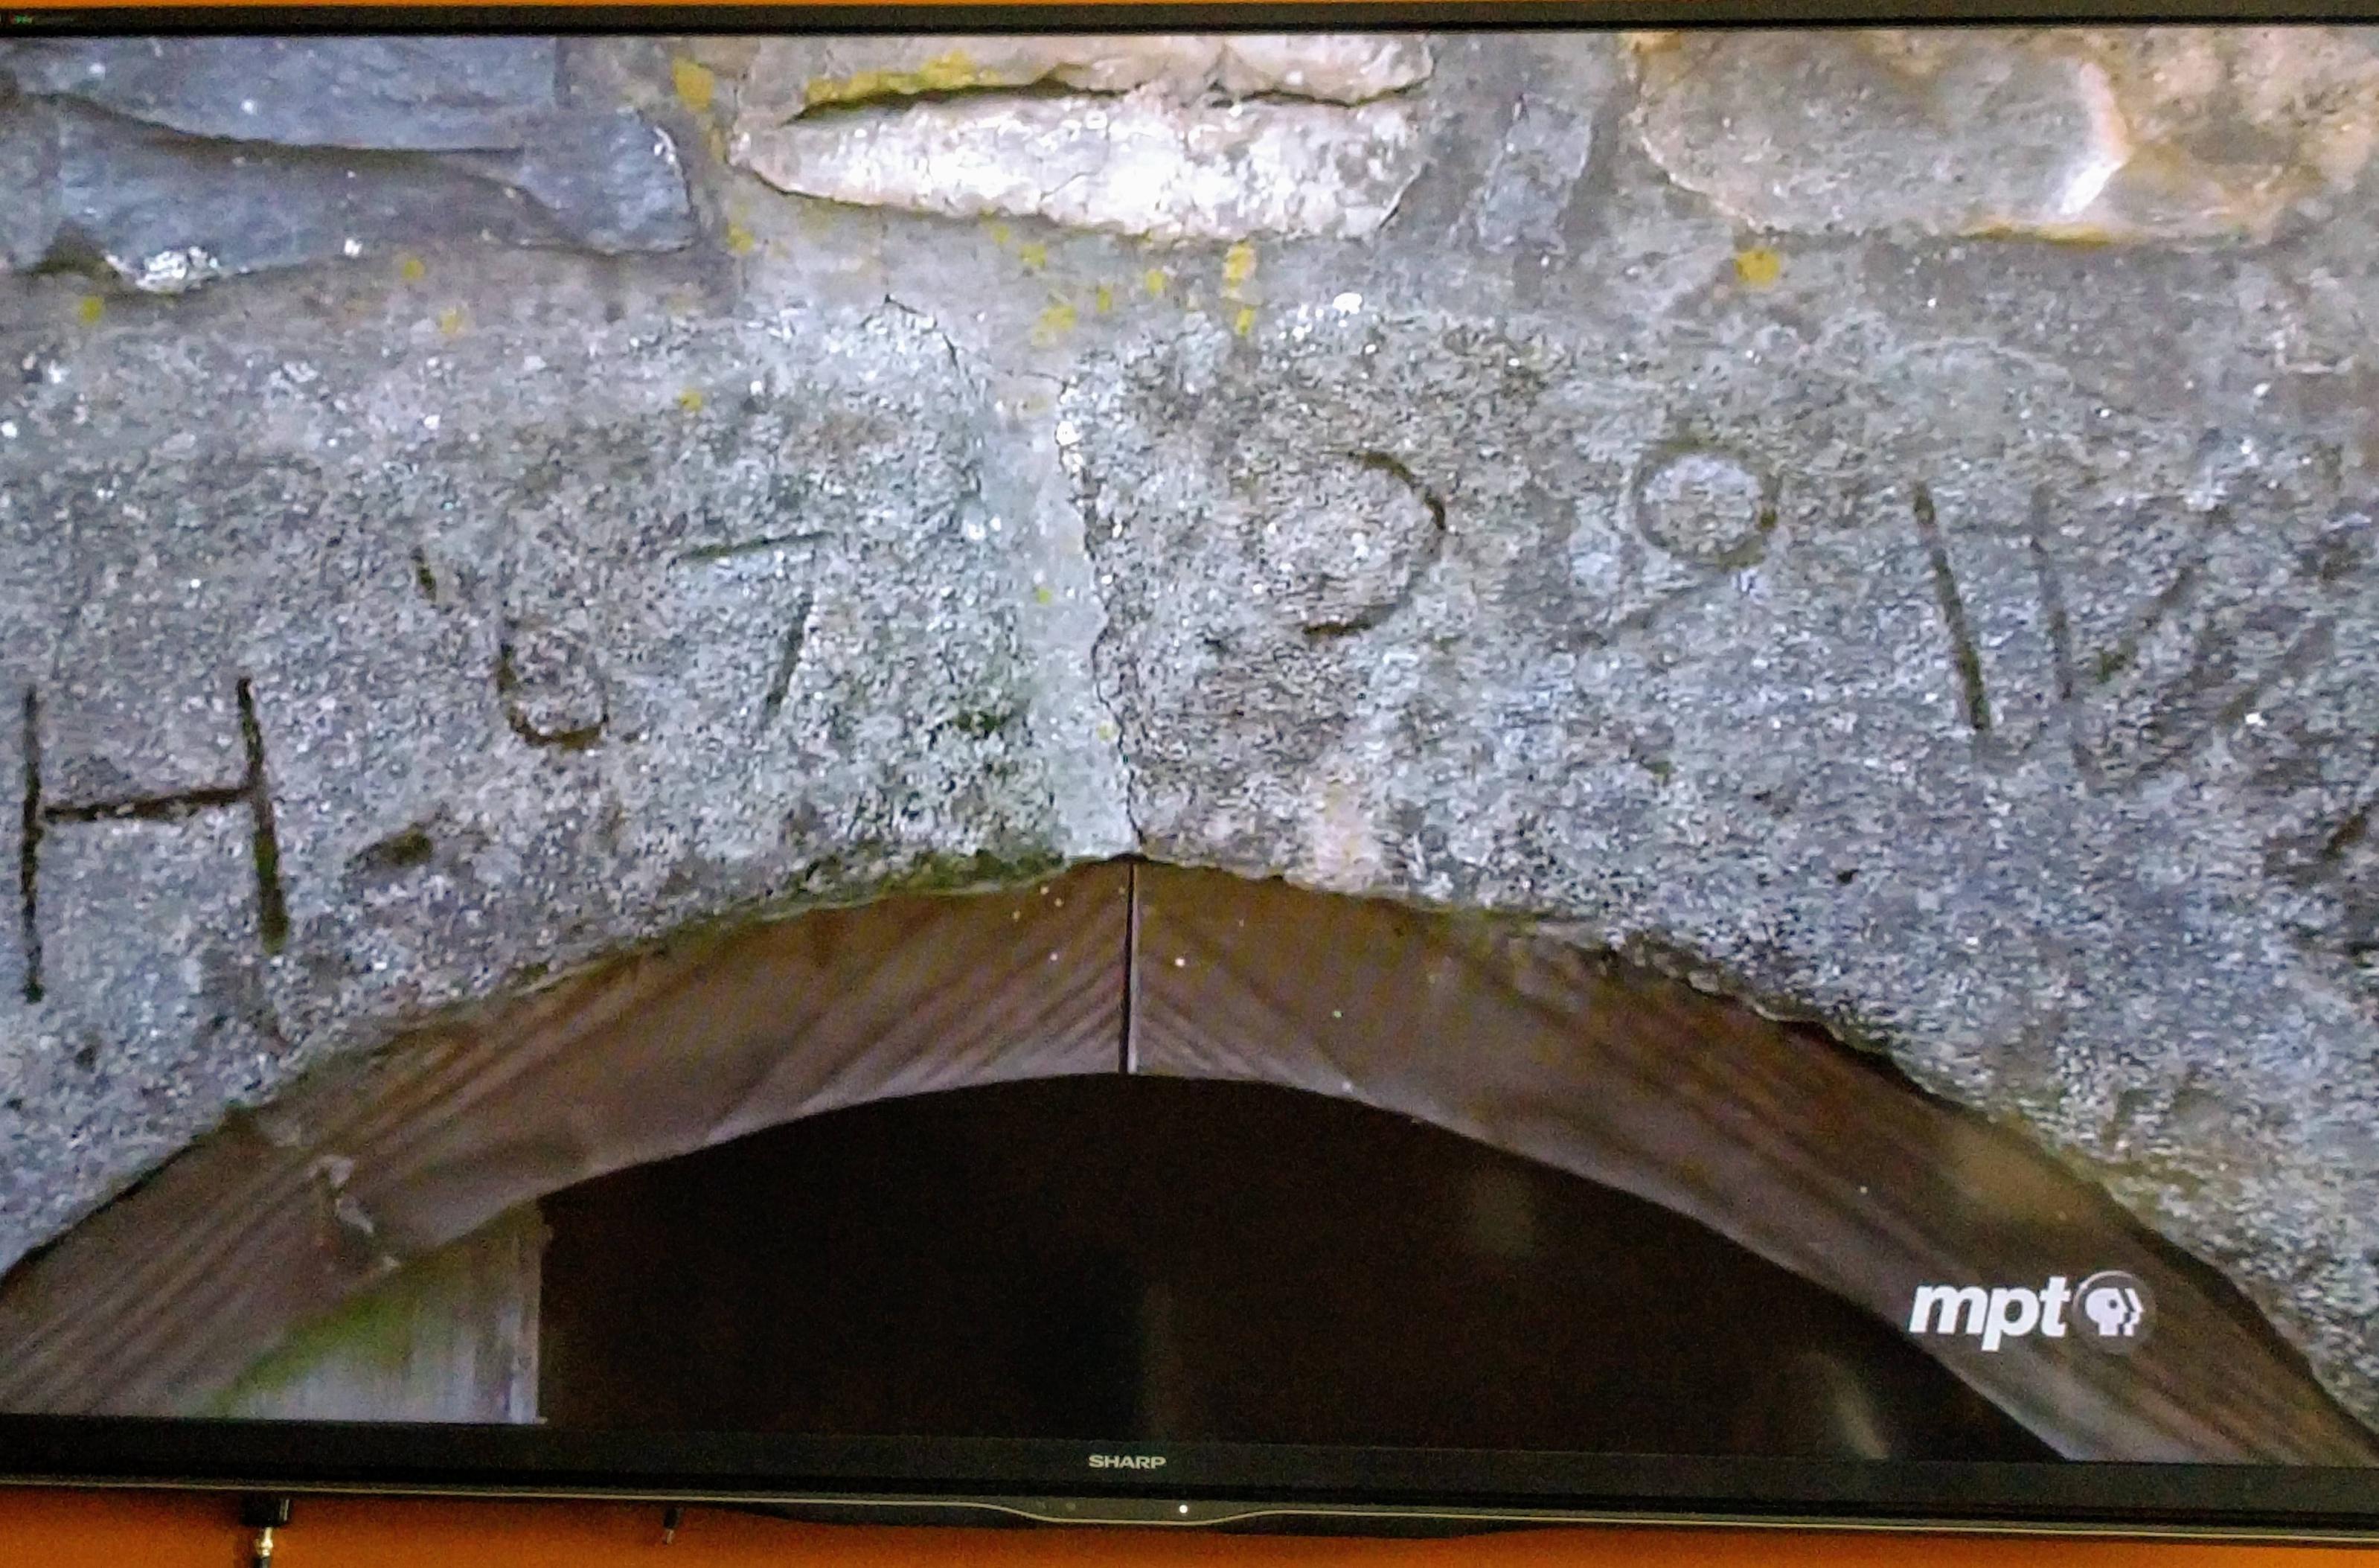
<point>375,1329</point>
<point>999,865</point>
<point>981,724</point>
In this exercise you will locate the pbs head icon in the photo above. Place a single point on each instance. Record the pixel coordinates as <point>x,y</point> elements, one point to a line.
<point>2115,1311</point>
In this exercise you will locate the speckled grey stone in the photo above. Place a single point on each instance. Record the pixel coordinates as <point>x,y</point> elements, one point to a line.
<point>2041,872</point>
<point>1971,643</point>
<point>171,161</point>
<point>530,663</point>
<point>29,215</point>
<point>369,94</point>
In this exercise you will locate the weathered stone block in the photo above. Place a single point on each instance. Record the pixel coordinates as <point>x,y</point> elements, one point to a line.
<point>170,166</point>
<point>1131,166</point>
<point>377,94</point>
<point>2174,135</point>
<point>564,671</point>
<point>788,77</point>
<point>1791,694</point>
<point>1142,148</point>
<point>1543,154</point>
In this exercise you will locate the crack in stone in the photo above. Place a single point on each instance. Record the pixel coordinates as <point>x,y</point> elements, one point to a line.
<point>734,548</point>
<point>931,324</point>
<point>1081,491</point>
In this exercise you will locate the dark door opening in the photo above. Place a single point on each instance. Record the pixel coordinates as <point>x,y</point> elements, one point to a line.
<point>1140,1258</point>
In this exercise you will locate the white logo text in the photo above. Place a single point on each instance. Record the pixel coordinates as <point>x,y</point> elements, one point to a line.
<point>2115,1309</point>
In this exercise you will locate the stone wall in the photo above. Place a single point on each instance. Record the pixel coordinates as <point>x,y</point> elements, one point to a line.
<point>1880,523</point>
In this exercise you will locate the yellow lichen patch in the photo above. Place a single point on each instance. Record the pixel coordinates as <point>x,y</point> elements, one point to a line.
<point>1152,283</point>
<point>1245,322</point>
<point>691,399</point>
<point>1653,42</point>
<point>412,269</point>
<point>947,72</point>
<point>999,233</point>
<point>449,321</point>
<point>1103,300</point>
<point>1758,266</point>
<point>1040,595</point>
<point>1238,265</point>
<point>942,73</point>
<point>90,309</point>
<point>1033,255</point>
<point>740,240</point>
<point>697,85</point>
<point>1054,323</point>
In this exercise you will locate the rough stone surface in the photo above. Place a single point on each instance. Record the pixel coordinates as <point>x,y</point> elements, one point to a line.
<point>1132,165</point>
<point>1160,142</point>
<point>1542,156</point>
<point>1967,639</point>
<point>2180,134</point>
<point>386,94</point>
<point>539,659</point>
<point>171,163</point>
<point>791,75</point>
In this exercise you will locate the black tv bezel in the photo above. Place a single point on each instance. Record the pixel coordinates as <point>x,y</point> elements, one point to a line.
<point>1199,1485</point>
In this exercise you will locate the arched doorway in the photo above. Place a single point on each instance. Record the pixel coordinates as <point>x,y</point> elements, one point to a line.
<point>1790,1147</point>
<point>1177,1259</point>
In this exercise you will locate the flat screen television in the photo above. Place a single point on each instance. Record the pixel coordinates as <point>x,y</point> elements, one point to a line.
<point>1091,766</point>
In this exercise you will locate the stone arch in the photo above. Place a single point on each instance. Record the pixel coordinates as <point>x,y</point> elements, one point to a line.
<point>1793,1147</point>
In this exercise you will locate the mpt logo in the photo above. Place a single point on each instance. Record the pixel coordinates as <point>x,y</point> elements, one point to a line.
<point>2115,1311</point>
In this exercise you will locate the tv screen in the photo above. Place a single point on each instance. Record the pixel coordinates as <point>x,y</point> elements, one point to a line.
<point>1383,778</point>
